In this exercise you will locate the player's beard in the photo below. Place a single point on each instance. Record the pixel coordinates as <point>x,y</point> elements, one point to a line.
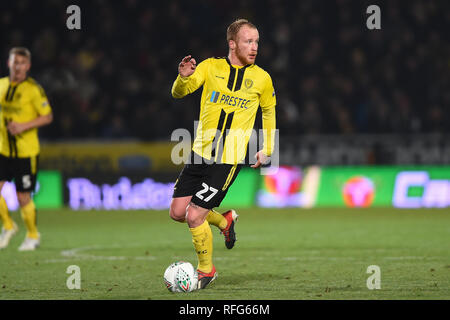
<point>243,57</point>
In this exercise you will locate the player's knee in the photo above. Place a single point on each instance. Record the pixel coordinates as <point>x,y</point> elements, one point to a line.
<point>191,218</point>
<point>23,198</point>
<point>195,216</point>
<point>177,213</point>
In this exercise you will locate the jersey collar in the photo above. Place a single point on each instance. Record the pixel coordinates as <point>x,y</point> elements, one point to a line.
<point>238,67</point>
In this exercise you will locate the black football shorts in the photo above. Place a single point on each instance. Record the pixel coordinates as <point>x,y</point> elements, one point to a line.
<point>206,183</point>
<point>22,170</point>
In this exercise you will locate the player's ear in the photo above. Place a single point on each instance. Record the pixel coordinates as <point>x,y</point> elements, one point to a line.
<point>232,44</point>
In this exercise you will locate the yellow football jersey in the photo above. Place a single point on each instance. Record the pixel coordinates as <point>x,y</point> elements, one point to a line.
<point>229,102</point>
<point>21,102</point>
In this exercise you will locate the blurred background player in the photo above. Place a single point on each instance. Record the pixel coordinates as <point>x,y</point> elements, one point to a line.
<point>25,108</point>
<point>233,89</point>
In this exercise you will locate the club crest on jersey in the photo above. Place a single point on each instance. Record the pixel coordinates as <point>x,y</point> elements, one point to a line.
<point>248,83</point>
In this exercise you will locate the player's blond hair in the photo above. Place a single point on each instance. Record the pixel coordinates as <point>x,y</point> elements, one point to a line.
<point>234,28</point>
<point>21,51</point>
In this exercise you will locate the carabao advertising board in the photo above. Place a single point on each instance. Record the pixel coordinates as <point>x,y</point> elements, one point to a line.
<point>291,186</point>
<point>401,187</point>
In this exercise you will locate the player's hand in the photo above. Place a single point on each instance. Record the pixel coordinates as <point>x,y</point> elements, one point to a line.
<point>187,66</point>
<point>261,159</point>
<point>15,128</point>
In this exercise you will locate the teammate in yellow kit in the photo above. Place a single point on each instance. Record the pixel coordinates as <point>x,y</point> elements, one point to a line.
<point>24,108</point>
<point>234,87</point>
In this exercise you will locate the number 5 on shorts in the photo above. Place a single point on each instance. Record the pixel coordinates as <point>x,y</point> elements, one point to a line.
<point>206,188</point>
<point>26,181</point>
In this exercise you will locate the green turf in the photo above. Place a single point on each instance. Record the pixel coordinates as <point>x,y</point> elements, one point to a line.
<point>280,254</point>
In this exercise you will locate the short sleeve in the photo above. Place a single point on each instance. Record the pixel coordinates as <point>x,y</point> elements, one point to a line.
<point>40,101</point>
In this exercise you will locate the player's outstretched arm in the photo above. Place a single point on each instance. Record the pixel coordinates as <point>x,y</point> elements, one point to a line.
<point>187,66</point>
<point>190,77</point>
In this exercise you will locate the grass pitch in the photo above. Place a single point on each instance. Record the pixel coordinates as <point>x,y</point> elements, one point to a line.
<point>287,254</point>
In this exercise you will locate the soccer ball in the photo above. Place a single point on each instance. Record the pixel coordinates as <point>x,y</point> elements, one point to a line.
<point>181,276</point>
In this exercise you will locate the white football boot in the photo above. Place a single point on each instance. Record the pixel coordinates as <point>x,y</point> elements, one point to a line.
<point>6,236</point>
<point>30,244</point>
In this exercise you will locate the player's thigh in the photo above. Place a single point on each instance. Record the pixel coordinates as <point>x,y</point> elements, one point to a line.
<point>189,180</point>
<point>215,185</point>
<point>185,186</point>
<point>25,173</point>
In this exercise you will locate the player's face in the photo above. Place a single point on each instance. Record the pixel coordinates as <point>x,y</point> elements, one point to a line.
<point>18,67</point>
<point>247,45</point>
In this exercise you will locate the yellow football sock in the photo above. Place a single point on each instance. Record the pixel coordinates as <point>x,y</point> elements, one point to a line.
<point>28,213</point>
<point>216,219</point>
<point>8,223</point>
<point>202,239</point>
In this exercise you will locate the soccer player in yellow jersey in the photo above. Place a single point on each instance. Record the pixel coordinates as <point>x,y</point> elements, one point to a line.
<point>233,90</point>
<point>24,108</point>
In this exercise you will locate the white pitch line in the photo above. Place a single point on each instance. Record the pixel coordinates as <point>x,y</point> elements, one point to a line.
<point>77,254</point>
